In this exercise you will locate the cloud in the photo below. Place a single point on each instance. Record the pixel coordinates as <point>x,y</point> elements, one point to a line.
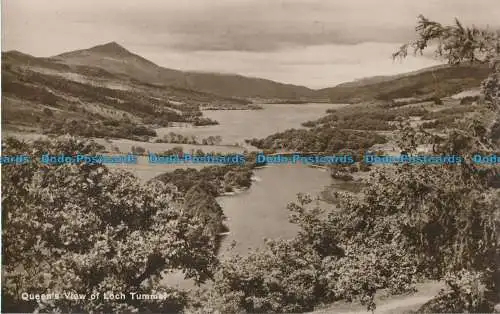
<point>244,25</point>
<point>262,25</point>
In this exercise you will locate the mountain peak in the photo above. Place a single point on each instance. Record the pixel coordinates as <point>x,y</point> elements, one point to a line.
<point>111,48</point>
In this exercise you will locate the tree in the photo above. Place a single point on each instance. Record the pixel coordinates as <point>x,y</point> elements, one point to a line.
<point>138,150</point>
<point>457,44</point>
<point>475,218</point>
<point>85,229</point>
<point>47,112</point>
<point>317,266</point>
<point>201,204</point>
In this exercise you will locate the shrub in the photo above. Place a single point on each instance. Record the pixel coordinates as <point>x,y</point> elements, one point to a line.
<point>138,150</point>
<point>465,294</point>
<point>47,112</point>
<point>437,101</point>
<point>469,100</point>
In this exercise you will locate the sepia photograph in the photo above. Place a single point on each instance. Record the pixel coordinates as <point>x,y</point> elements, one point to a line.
<point>250,156</point>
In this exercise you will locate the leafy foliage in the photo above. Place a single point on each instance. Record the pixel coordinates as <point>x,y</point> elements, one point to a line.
<point>455,43</point>
<point>107,128</point>
<point>313,268</point>
<point>466,295</point>
<point>410,222</point>
<point>473,254</point>
<point>83,228</point>
<point>319,139</point>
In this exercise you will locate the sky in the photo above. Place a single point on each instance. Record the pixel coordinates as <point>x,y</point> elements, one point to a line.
<point>315,43</point>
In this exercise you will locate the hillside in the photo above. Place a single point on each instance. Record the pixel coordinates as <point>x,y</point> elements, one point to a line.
<point>446,80</point>
<point>384,78</point>
<point>42,95</point>
<point>117,60</point>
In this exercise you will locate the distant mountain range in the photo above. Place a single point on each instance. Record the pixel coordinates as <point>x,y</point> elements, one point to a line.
<point>117,60</point>
<point>112,59</point>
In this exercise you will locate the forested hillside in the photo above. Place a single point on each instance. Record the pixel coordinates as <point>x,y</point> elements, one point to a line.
<point>439,82</point>
<point>41,95</point>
